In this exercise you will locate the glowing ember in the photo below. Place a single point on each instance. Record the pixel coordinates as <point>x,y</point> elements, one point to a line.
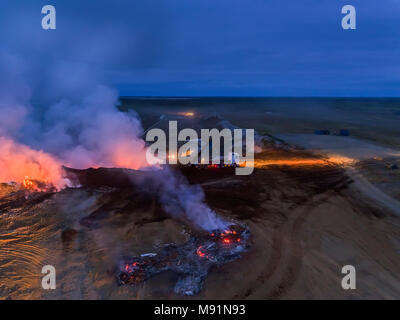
<point>214,166</point>
<point>228,236</point>
<point>199,252</point>
<point>27,183</point>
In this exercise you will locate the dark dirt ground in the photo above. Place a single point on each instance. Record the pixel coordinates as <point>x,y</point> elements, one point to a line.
<point>306,222</point>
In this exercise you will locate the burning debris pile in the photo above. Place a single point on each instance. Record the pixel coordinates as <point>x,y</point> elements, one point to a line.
<point>191,261</point>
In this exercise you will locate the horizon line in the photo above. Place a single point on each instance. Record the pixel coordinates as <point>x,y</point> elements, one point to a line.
<point>279,97</point>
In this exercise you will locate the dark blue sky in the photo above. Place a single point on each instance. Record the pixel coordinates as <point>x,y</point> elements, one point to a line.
<point>208,47</point>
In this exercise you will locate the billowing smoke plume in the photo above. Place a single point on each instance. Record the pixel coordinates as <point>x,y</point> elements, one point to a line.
<point>88,130</point>
<point>80,130</point>
<point>56,100</point>
<point>180,199</point>
<point>19,162</point>
<point>183,200</point>
<point>57,107</point>
<point>92,133</point>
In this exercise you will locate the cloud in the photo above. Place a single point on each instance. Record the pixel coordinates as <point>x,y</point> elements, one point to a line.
<point>273,48</point>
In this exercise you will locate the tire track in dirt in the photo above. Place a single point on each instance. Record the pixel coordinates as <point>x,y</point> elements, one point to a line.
<point>292,256</point>
<point>272,265</point>
<point>285,261</point>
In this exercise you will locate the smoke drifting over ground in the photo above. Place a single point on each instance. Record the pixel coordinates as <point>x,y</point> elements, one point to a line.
<point>58,108</point>
<point>89,131</point>
<point>180,199</point>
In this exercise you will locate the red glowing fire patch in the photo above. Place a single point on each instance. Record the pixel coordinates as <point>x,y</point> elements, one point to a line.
<point>200,253</point>
<point>226,238</point>
<point>130,267</point>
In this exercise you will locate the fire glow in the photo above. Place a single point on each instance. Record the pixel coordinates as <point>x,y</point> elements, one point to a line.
<point>303,162</point>
<point>28,183</point>
<point>91,132</point>
<point>186,114</point>
<point>230,236</point>
<point>26,166</point>
<point>191,260</point>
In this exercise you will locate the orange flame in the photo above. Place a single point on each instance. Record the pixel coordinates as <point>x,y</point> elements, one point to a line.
<point>21,164</point>
<point>28,184</point>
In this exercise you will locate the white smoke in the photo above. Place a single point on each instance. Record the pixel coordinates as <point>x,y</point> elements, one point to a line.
<point>87,130</point>
<point>92,133</point>
<point>81,128</point>
<point>57,106</point>
<point>181,199</point>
